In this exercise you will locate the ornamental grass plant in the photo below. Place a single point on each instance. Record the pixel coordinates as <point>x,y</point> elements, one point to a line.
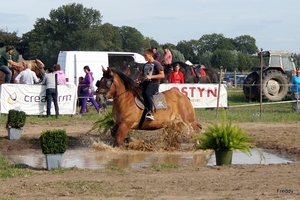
<point>225,136</point>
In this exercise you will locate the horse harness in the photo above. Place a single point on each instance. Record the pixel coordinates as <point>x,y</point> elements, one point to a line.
<point>108,84</point>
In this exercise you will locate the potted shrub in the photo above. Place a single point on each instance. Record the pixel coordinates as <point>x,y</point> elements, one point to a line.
<point>223,139</point>
<point>54,143</point>
<point>15,121</point>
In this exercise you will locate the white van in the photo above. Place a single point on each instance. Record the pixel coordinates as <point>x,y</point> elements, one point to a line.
<point>72,62</point>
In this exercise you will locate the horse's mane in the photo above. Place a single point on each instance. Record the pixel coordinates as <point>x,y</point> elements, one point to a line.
<point>129,84</point>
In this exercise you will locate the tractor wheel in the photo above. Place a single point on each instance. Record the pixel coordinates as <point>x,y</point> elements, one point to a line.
<point>250,88</point>
<point>275,85</point>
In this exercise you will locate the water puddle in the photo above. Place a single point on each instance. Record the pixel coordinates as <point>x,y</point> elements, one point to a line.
<point>241,158</point>
<point>95,159</point>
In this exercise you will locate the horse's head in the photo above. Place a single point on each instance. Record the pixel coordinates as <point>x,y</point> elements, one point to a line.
<point>114,84</point>
<point>38,68</point>
<point>105,85</point>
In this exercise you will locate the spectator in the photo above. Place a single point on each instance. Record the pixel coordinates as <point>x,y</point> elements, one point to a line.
<point>296,91</point>
<point>50,80</point>
<point>27,76</point>
<point>167,59</point>
<point>5,59</point>
<point>80,93</point>
<point>86,87</point>
<point>61,79</point>
<point>151,74</point>
<point>156,54</point>
<point>176,76</point>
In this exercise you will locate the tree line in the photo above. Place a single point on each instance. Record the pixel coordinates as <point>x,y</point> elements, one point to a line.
<point>73,27</point>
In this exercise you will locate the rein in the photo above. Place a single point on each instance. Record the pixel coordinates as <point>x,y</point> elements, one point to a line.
<point>119,95</point>
<point>117,90</point>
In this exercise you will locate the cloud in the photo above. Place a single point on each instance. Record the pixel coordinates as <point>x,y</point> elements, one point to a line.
<point>280,39</point>
<point>12,18</point>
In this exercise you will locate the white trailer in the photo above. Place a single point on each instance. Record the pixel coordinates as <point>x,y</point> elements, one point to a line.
<point>72,62</point>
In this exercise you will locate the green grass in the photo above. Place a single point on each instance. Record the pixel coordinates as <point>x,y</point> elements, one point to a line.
<point>240,111</point>
<point>163,166</point>
<point>10,170</point>
<point>31,119</point>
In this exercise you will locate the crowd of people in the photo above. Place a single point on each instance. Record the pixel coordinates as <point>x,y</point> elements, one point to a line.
<point>54,76</point>
<point>149,79</point>
<point>166,62</point>
<point>176,76</point>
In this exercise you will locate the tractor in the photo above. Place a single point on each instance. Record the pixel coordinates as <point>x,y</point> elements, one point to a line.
<point>277,73</point>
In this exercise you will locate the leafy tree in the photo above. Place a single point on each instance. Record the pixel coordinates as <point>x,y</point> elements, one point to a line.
<point>177,56</point>
<point>245,44</point>
<point>132,39</point>
<point>205,58</point>
<point>153,43</point>
<point>70,27</point>
<point>244,62</point>
<point>186,48</point>
<point>111,37</point>
<point>7,38</point>
<point>211,42</point>
<point>30,45</point>
<point>225,43</point>
<point>223,58</point>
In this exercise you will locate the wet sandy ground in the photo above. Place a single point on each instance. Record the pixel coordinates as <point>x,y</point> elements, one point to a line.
<point>238,181</point>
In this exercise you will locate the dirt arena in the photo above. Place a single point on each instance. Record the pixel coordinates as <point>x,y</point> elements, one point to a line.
<point>274,181</point>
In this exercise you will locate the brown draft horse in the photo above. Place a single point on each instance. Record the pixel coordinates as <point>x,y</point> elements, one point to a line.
<point>36,65</point>
<point>127,114</point>
<point>190,76</point>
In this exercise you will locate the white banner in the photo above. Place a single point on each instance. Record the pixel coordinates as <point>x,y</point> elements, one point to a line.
<point>32,99</point>
<point>201,95</point>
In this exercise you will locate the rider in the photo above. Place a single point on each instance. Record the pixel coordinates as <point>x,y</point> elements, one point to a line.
<point>5,58</point>
<point>150,75</point>
<point>156,53</point>
<point>167,58</point>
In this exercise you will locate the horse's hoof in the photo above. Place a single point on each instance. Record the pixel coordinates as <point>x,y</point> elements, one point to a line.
<point>126,140</point>
<point>116,144</point>
<point>113,133</point>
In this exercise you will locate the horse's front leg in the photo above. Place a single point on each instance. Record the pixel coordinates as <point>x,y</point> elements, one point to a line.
<point>122,131</point>
<point>113,130</point>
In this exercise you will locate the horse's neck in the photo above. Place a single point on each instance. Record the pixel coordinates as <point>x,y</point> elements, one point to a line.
<point>122,100</point>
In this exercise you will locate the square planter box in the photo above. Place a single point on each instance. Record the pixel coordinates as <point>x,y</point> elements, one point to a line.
<point>14,133</point>
<point>53,161</point>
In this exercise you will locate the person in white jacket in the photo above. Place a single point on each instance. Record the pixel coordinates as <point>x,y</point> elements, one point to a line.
<point>27,76</point>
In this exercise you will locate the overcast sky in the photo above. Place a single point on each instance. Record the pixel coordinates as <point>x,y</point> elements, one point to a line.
<point>273,23</point>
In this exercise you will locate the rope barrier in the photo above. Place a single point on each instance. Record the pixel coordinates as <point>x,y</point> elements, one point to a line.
<point>257,104</point>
